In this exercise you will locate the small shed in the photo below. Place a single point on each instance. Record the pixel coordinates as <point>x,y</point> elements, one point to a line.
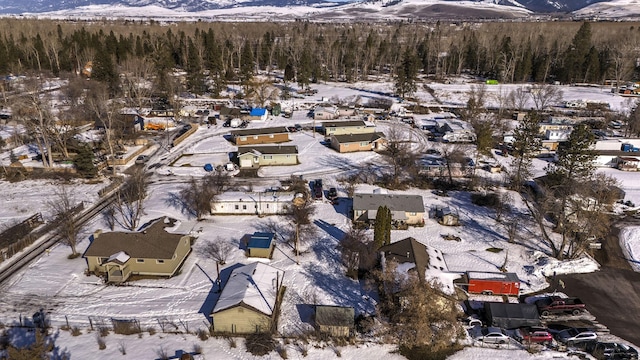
<point>261,245</point>
<point>493,283</point>
<point>510,315</point>
<point>627,163</point>
<point>335,320</point>
<point>258,114</point>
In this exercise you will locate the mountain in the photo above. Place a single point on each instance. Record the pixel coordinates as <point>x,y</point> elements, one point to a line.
<point>312,9</point>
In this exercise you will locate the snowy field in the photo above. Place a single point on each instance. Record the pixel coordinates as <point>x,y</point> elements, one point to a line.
<point>60,286</point>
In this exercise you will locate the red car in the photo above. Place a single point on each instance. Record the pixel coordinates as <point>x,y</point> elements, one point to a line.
<point>534,335</point>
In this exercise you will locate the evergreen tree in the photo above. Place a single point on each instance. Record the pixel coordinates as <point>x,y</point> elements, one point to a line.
<point>526,142</point>
<point>195,78</point>
<point>83,162</point>
<point>406,74</point>
<point>104,70</point>
<point>304,69</point>
<point>576,55</point>
<point>382,227</point>
<point>247,63</point>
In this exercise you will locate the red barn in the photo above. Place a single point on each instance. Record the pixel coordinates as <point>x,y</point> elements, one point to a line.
<point>493,283</point>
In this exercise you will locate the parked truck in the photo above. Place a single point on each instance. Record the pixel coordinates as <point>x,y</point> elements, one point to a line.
<point>559,305</point>
<point>626,147</point>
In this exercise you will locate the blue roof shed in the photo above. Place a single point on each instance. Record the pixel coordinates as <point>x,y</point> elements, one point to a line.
<point>258,112</point>
<point>261,244</point>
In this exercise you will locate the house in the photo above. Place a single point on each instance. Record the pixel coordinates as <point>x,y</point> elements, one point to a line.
<point>152,251</point>
<point>252,203</point>
<point>227,113</point>
<point>627,163</point>
<point>455,131</point>
<point>358,142</point>
<point>325,112</point>
<point>258,114</point>
<point>272,135</point>
<point>261,244</point>
<point>511,315</point>
<point>336,321</point>
<point>493,283</point>
<point>409,253</point>
<point>405,209</point>
<point>256,156</point>
<point>249,301</point>
<point>347,128</point>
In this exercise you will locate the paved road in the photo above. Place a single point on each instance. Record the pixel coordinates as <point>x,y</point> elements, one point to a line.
<point>612,294</point>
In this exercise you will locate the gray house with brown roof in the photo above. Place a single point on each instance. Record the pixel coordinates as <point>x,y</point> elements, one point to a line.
<point>152,251</point>
<point>405,209</point>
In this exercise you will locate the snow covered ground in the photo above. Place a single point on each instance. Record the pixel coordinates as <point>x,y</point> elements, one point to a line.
<point>60,286</point>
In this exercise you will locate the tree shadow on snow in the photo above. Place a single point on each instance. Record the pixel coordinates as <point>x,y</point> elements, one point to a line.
<point>175,201</point>
<point>330,229</point>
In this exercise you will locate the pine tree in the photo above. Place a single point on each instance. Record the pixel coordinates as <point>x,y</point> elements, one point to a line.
<point>526,142</point>
<point>84,162</point>
<point>382,227</point>
<point>406,74</point>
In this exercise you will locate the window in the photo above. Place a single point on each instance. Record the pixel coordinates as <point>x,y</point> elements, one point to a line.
<point>160,261</point>
<point>412,213</point>
<point>364,143</point>
<point>140,260</point>
<point>267,206</point>
<point>237,207</point>
<point>244,207</point>
<point>255,137</point>
<point>267,157</point>
<point>243,138</point>
<point>102,260</point>
<point>271,136</point>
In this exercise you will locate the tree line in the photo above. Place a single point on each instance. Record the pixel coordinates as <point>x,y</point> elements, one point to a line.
<point>214,54</point>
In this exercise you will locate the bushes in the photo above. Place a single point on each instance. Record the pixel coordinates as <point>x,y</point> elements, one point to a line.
<point>260,344</point>
<point>491,200</point>
<point>427,353</point>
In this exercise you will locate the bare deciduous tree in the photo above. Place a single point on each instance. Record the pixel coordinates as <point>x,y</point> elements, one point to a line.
<point>398,153</point>
<point>129,199</point>
<point>301,220</point>
<point>217,250</point>
<point>198,194</point>
<point>419,313</point>
<point>64,209</point>
<point>544,95</point>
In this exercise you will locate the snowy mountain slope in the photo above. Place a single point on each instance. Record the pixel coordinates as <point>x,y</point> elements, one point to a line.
<point>437,8</point>
<point>616,9</point>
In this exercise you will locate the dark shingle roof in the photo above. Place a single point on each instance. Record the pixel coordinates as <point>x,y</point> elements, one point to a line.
<point>408,250</point>
<point>353,138</point>
<point>343,123</point>
<point>335,315</point>
<point>275,150</point>
<point>151,243</point>
<point>260,131</point>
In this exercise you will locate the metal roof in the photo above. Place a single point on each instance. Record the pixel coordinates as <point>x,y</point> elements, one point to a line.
<point>260,240</point>
<point>268,150</point>
<point>353,138</point>
<point>260,131</point>
<point>395,202</point>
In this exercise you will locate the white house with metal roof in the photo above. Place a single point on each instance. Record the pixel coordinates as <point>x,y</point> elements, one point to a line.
<point>248,303</point>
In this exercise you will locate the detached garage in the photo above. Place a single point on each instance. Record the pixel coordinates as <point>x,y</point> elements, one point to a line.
<point>511,316</point>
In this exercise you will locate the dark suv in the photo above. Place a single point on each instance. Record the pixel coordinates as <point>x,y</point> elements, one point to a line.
<point>614,351</point>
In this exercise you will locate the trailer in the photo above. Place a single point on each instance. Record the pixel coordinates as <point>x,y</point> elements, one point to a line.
<point>493,283</point>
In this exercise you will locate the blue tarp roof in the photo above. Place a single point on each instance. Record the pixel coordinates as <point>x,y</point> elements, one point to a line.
<point>258,112</point>
<point>260,240</point>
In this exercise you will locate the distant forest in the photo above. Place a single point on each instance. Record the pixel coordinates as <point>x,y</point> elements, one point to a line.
<point>214,54</point>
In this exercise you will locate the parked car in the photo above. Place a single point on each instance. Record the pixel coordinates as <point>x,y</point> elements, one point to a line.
<point>492,335</point>
<point>614,351</point>
<point>573,336</point>
<point>558,305</point>
<point>332,194</point>
<point>534,335</point>
<point>142,159</point>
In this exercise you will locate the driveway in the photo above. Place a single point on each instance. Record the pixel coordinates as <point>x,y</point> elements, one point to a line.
<point>612,294</point>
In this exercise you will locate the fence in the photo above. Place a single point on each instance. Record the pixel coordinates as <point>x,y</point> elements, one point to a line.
<point>192,128</point>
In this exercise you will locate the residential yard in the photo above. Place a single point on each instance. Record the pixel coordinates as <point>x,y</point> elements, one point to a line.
<point>182,304</point>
